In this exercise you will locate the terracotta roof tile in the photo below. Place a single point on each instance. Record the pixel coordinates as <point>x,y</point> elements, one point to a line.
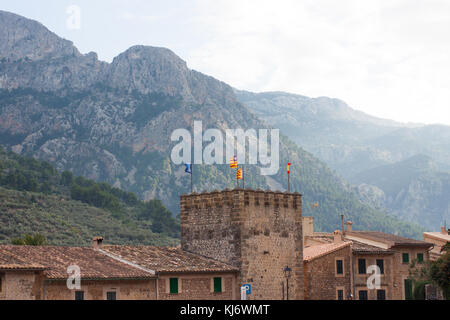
<point>167,259</point>
<point>93,264</point>
<point>320,250</point>
<point>438,235</point>
<point>21,266</point>
<point>360,247</point>
<point>389,239</point>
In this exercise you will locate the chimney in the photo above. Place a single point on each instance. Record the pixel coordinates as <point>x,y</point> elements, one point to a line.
<point>97,242</point>
<point>337,236</point>
<point>348,227</point>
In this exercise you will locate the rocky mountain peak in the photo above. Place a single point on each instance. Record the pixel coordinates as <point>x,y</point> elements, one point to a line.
<point>150,69</point>
<point>22,38</point>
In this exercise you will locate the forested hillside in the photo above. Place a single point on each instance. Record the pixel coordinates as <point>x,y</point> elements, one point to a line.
<point>35,198</point>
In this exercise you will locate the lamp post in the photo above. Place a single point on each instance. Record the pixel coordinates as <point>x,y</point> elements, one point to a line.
<point>287,274</point>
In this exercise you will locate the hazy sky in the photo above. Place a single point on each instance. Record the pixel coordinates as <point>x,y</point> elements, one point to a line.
<point>387,58</point>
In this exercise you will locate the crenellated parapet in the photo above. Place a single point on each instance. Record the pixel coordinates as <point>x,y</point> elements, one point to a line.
<point>241,197</point>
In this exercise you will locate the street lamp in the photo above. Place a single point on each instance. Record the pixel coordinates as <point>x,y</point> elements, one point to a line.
<point>287,274</point>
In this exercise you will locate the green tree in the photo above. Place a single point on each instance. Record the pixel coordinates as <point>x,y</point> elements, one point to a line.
<point>431,272</point>
<point>67,178</point>
<point>31,240</point>
<point>32,184</point>
<point>440,272</point>
<point>162,219</point>
<point>45,187</point>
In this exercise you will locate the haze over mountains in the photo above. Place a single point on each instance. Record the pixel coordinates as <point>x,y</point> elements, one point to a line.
<point>112,122</point>
<point>401,168</point>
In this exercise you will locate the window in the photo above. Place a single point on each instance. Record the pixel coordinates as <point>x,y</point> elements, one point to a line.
<point>405,257</point>
<point>408,289</point>
<point>339,267</point>
<point>362,266</point>
<point>420,257</point>
<point>79,295</point>
<point>173,285</point>
<point>218,284</point>
<point>381,294</point>
<point>111,295</point>
<point>362,294</point>
<point>340,294</point>
<point>380,264</point>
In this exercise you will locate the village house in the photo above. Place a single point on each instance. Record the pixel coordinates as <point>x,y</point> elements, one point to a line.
<point>392,254</point>
<point>151,273</point>
<point>327,270</point>
<point>405,251</point>
<point>40,273</point>
<point>181,275</point>
<point>439,240</point>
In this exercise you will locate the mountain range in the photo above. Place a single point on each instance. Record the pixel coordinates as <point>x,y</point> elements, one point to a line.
<point>112,122</point>
<point>400,168</point>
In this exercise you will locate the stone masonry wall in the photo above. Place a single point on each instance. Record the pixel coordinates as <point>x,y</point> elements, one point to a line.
<point>198,287</point>
<point>96,290</point>
<point>21,285</point>
<point>260,232</point>
<point>321,280</point>
<point>386,279</point>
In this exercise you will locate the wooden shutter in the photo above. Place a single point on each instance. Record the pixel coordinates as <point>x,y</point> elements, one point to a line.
<point>218,284</point>
<point>380,264</point>
<point>339,267</point>
<point>408,289</point>
<point>362,266</point>
<point>381,295</point>
<point>420,257</point>
<point>363,295</point>
<point>405,257</point>
<point>173,285</point>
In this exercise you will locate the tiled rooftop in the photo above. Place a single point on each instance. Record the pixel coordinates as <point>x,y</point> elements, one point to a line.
<point>317,251</point>
<point>22,266</point>
<point>93,264</point>
<point>389,239</point>
<point>167,259</point>
<point>438,235</point>
<point>360,247</point>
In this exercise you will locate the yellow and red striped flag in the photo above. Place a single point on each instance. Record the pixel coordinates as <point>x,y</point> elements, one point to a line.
<point>233,162</point>
<point>239,174</point>
<point>288,168</point>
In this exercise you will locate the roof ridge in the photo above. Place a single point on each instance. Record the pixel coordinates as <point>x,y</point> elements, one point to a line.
<point>337,247</point>
<point>120,259</point>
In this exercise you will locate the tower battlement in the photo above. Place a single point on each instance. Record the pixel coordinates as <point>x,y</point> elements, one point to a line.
<point>260,232</point>
<point>241,197</point>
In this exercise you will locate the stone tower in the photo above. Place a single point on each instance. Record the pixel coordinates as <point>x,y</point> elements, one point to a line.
<point>260,232</point>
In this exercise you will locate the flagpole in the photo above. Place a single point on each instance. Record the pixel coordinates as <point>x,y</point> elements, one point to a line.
<point>289,184</point>
<point>289,175</point>
<point>243,177</point>
<point>192,173</point>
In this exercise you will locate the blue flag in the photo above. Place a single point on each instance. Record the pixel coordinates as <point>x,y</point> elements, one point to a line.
<point>188,168</point>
